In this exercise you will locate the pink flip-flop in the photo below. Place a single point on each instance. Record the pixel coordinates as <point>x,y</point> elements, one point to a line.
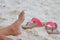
<point>52,25</point>
<point>37,21</point>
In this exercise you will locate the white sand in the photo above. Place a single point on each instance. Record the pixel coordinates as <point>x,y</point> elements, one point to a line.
<point>45,10</point>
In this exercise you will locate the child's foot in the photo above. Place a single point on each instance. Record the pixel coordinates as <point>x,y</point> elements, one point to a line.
<point>15,27</point>
<point>21,16</point>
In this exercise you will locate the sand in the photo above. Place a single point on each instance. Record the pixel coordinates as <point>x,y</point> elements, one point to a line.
<point>45,10</point>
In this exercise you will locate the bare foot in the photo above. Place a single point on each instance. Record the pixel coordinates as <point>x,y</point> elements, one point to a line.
<point>14,28</point>
<point>21,16</point>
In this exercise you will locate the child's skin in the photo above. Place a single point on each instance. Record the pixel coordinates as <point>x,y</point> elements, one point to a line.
<point>12,29</point>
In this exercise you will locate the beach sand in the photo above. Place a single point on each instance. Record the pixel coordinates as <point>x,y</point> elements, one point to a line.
<point>45,10</point>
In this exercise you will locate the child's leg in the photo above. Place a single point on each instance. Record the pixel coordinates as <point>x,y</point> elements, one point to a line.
<point>14,28</point>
